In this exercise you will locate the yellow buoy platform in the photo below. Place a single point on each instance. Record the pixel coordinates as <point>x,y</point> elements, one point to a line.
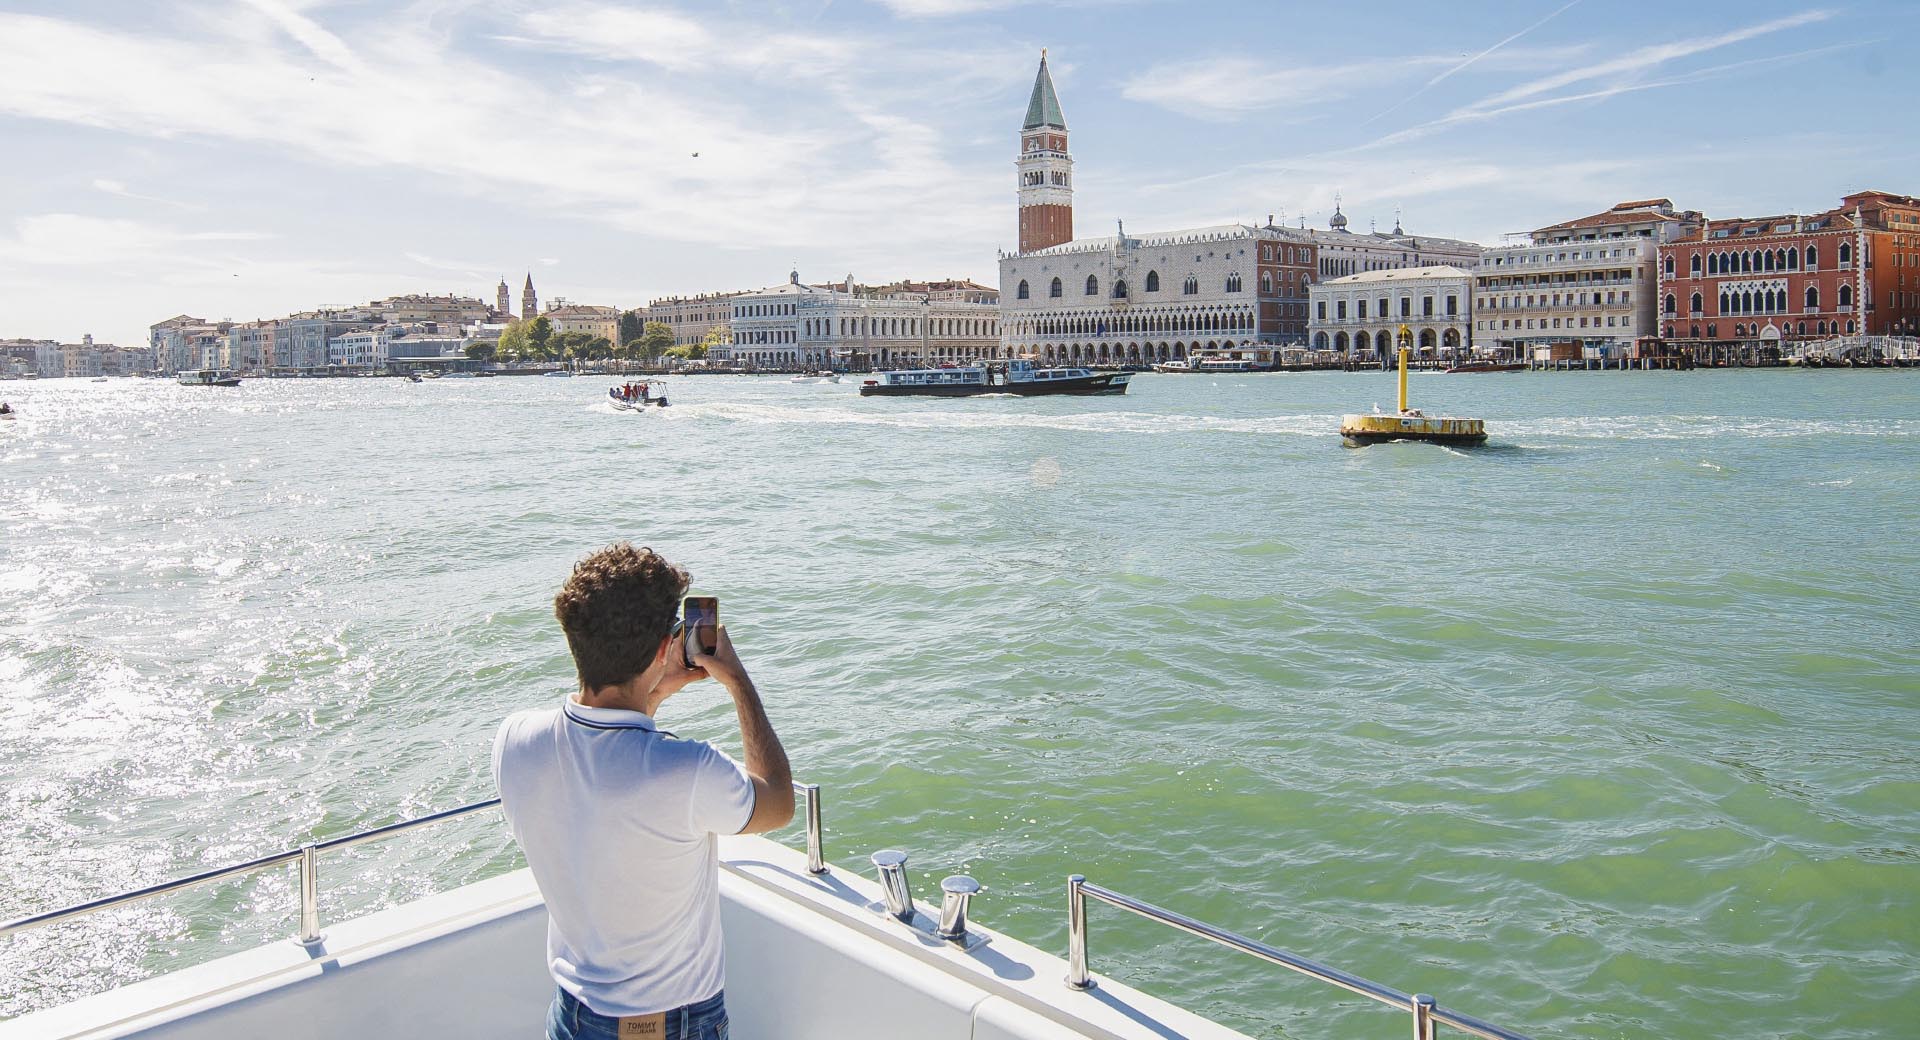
<point>1410,424</point>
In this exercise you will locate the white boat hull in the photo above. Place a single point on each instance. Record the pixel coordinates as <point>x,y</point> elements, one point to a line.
<point>806,958</point>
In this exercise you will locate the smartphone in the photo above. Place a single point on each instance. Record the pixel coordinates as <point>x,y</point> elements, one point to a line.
<point>701,623</point>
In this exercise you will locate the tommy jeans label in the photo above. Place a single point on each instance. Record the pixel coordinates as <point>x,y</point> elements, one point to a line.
<point>644,1027</point>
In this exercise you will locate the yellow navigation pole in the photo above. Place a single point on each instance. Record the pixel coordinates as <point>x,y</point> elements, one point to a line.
<point>1403,425</point>
<point>1406,344</point>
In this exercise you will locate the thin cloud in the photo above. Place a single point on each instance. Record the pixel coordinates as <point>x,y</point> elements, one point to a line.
<point>1442,77</point>
<point>1619,71</point>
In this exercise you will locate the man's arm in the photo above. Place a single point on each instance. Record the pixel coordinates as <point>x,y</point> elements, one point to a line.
<point>766,760</point>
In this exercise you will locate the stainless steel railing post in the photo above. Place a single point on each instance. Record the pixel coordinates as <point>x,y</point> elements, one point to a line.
<point>816,846</point>
<point>955,891</point>
<point>1077,976</point>
<point>309,897</point>
<point>1423,1026</point>
<point>894,886</point>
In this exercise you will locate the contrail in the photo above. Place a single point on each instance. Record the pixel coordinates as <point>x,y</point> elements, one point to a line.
<point>1428,85</point>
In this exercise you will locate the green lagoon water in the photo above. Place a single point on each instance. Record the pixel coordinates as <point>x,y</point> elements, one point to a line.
<point>1609,730</point>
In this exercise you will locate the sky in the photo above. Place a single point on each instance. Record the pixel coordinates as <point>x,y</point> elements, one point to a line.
<point>239,159</point>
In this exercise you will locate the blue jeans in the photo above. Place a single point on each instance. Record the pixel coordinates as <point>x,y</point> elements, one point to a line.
<point>568,1019</point>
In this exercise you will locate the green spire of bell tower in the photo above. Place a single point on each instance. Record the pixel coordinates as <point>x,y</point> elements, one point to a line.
<point>1043,109</point>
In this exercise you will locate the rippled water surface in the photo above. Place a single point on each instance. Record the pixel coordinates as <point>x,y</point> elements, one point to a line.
<point>1610,729</point>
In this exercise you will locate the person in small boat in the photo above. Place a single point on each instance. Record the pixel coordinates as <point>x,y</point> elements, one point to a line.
<point>617,816</point>
<point>5,408</point>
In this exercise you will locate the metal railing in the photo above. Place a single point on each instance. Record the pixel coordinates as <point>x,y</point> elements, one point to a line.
<point>308,857</point>
<point>1426,1013</point>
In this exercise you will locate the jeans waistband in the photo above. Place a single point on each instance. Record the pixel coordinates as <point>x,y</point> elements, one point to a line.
<point>675,1017</point>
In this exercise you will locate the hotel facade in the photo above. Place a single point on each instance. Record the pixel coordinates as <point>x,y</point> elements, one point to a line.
<point>1852,270</point>
<point>1589,282</point>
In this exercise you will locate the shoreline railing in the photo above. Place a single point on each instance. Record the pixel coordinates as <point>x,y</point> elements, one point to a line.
<point>1427,1014</point>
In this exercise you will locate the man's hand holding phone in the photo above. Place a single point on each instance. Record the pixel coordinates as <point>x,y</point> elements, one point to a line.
<point>723,664</point>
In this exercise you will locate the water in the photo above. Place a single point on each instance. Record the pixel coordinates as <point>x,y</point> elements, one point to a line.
<point>1611,729</point>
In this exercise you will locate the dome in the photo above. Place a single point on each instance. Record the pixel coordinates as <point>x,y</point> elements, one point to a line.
<point>1339,221</point>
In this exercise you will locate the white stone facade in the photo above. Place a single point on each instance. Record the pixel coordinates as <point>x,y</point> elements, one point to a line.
<point>1591,281</point>
<point>1364,312</point>
<point>1136,299</point>
<point>795,325</point>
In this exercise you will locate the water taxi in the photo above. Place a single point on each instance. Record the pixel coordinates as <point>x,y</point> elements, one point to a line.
<point>208,377</point>
<point>822,376</point>
<point>813,949</point>
<point>1018,376</point>
<point>1178,366</point>
<point>633,397</point>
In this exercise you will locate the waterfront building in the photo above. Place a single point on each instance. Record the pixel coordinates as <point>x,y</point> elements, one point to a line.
<point>694,318</point>
<point>415,308</point>
<point>1756,281</point>
<point>579,317</point>
<point>249,347</point>
<point>1137,299</point>
<point>796,325</point>
<point>168,341</point>
<point>39,358</point>
<point>1340,251</point>
<point>529,305</point>
<point>304,341</point>
<point>1588,282</point>
<point>1363,312</point>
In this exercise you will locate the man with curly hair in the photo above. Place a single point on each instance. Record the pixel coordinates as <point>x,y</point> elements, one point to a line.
<point>617,817</point>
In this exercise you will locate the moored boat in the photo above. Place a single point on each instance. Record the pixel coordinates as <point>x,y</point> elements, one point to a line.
<point>208,377</point>
<point>1178,366</point>
<point>1468,367</point>
<point>1018,376</point>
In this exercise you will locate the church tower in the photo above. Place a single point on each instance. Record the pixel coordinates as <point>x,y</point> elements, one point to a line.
<point>528,311</point>
<point>1046,170</point>
<point>502,300</point>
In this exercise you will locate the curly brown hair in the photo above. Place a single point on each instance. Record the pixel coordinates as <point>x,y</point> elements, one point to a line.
<point>616,607</point>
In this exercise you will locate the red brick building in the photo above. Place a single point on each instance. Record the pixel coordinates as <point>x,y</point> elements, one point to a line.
<point>1852,270</point>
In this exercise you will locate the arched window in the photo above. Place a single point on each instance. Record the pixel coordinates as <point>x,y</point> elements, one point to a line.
<point>1023,288</point>
<point>1266,282</point>
<point>1119,288</point>
<point>1054,289</point>
<point>1153,281</point>
<point>1846,292</point>
<point>1672,305</point>
<point>1694,306</point>
<point>1725,303</point>
<point>1233,282</point>
<point>1713,263</point>
<point>1766,260</point>
<point>1846,253</point>
<point>1191,287</point>
<point>1093,286</point>
<point>1694,265</point>
<point>1813,297</point>
<point>1780,259</point>
<point>1669,263</point>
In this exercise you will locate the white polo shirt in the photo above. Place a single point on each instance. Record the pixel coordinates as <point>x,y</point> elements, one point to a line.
<point>617,821</point>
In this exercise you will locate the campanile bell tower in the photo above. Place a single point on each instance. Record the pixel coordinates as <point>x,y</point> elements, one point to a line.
<point>1046,170</point>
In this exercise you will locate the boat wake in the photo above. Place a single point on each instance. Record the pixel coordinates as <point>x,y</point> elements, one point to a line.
<point>1084,422</point>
